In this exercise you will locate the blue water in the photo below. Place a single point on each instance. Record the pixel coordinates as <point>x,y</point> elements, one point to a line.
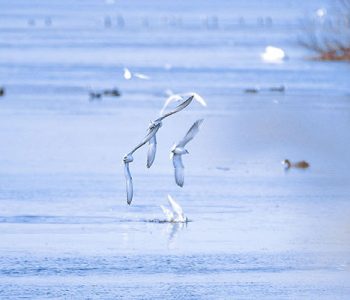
<point>256,231</point>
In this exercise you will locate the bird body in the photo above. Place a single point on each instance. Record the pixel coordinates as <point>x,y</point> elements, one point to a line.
<point>298,165</point>
<point>273,54</point>
<point>179,149</point>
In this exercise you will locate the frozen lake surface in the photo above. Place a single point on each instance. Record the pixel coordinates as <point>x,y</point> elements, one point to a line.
<point>256,231</point>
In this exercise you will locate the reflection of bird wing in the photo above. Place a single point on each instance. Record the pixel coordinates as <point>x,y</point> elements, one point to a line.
<point>197,97</point>
<point>129,188</point>
<point>169,100</point>
<point>152,149</point>
<point>149,136</point>
<point>177,209</point>
<point>142,76</point>
<point>177,109</point>
<point>191,133</point>
<point>179,169</point>
<point>168,214</point>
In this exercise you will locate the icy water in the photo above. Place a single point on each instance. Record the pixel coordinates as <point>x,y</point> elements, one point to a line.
<point>257,232</point>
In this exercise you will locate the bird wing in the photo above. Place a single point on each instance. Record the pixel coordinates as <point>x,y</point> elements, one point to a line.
<point>147,138</point>
<point>197,97</point>
<point>191,133</point>
<point>168,214</point>
<point>129,187</point>
<point>142,76</point>
<point>152,149</point>
<point>177,109</point>
<point>169,100</point>
<point>179,169</point>
<point>177,209</point>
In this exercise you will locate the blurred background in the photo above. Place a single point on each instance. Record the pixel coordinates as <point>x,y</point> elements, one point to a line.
<point>79,83</point>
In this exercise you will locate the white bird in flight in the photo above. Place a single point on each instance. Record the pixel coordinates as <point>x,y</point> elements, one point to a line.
<point>128,75</point>
<point>128,158</point>
<point>176,214</point>
<point>152,147</point>
<point>180,97</point>
<point>179,149</point>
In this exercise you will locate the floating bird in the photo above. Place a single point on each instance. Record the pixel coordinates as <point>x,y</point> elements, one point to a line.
<point>298,165</point>
<point>180,97</point>
<point>129,75</point>
<point>112,93</point>
<point>95,95</point>
<point>273,54</point>
<point>152,148</point>
<point>179,149</point>
<point>280,89</point>
<point>128,158</point>
<point>176,214</point>
<point>251,90</point>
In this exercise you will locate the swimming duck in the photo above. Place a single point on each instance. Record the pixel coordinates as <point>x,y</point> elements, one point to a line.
<point>298,165</point>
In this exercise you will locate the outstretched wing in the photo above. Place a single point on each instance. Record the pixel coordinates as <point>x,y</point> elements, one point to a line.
<point>177,109</point>
<point>177,209</point>
<point>168,214</point>
<point>152,149</point>
<point>179,169</point>
<point>191,133</point>
<point>169,100</point>
<point>129,187</point>
<point>147,138</point>
<point>197,97</point>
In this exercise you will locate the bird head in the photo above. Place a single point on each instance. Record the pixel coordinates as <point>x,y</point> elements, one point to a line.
<point>128,158</point>
<point>287,163</point>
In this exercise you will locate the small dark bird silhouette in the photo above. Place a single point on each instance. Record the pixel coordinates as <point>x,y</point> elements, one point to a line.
<point>95,95</point>
<point>280,89</point>
<point>112,93</point>
<point>2,91</point>
<point>298,165</point>
<point>251,91</point>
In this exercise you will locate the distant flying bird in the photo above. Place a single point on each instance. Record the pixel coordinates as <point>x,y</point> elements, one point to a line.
<point>298,165</point>
<point>180,97</point>
<point>128,158</point>
<point>273,54</point>
<point>176,214</point>
<point>129,75</point>
<point>179,149</point>
<point>152,147</point>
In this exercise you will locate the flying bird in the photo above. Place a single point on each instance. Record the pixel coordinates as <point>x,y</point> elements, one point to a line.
<point>179,149</point>
<point>128,158</point>
<point>129,75</point>
<point>152,147</point>
<point>178,97</point>
<point>176,214</point>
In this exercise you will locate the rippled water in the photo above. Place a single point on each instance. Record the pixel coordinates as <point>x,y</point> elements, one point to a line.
<point>256,231</point>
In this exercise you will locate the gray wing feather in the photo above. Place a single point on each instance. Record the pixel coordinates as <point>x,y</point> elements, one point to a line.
<point>191,133</point>
<point>179,169</point>
<point>129,187</point>
<point>146,139</point>
<point>177,109</point>
<point>152,149</point>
